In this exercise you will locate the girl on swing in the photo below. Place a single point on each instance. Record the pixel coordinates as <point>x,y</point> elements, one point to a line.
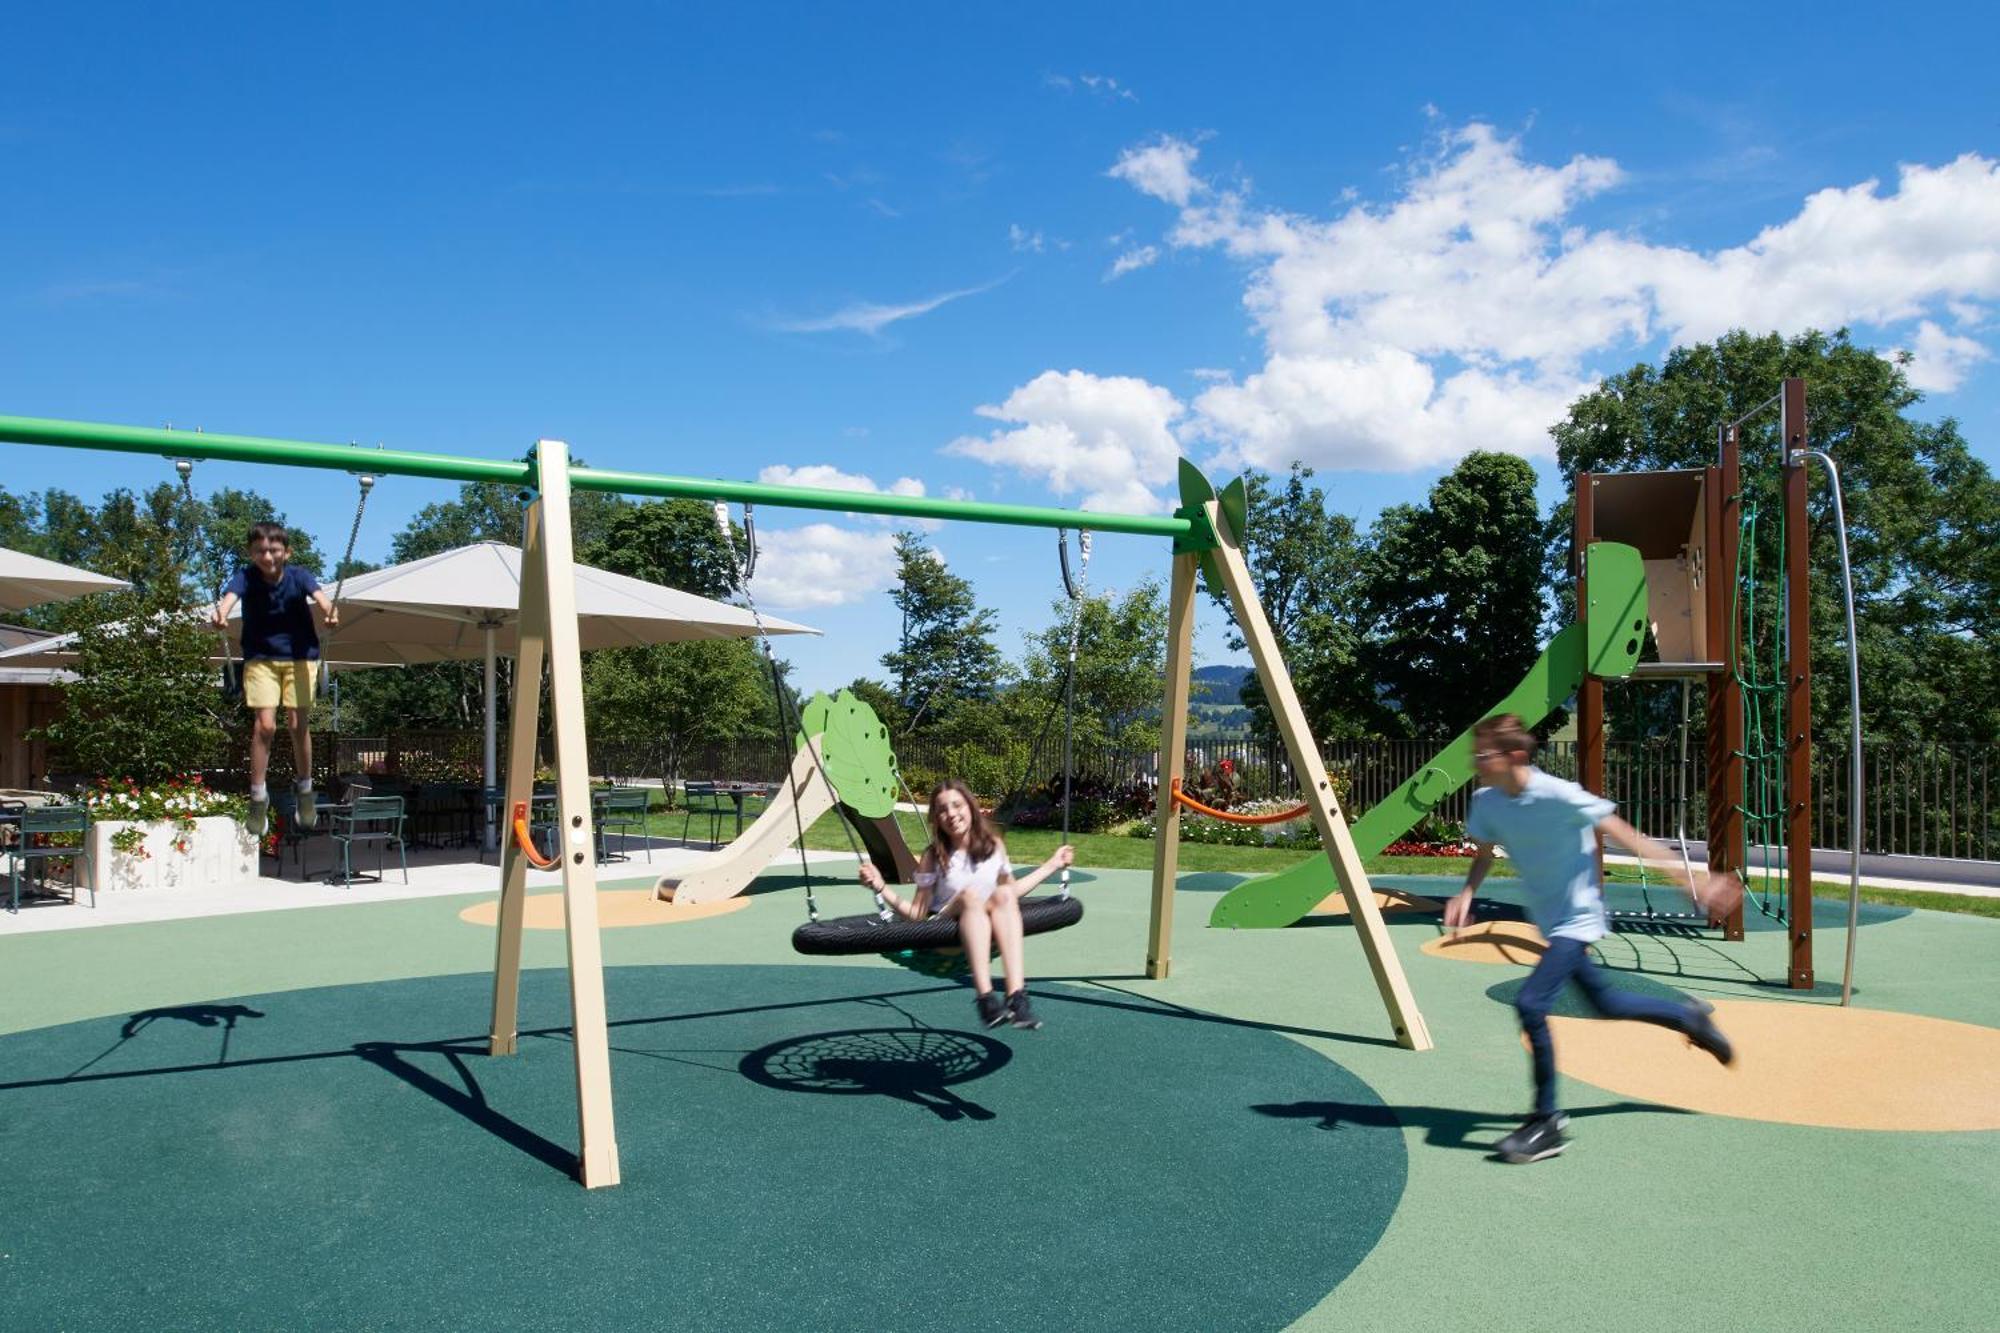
<point>964,874</point>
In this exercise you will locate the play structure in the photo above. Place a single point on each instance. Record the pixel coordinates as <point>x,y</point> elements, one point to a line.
<point>854,772</point>
<point>1670,560</point>
<point>1206,536</point>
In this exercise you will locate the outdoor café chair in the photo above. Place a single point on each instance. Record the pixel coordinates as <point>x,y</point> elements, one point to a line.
<point>370,819</point>
<point>625,807</point>
<point>704,798</point>
<point>38,823</point>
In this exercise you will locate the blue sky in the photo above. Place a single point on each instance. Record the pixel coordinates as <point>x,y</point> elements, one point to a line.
<point>1026,253</point>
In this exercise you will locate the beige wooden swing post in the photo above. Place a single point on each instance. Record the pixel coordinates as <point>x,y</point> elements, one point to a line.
<point>1173,762</point>
<point>1324,805</point>
<point>548,624</point>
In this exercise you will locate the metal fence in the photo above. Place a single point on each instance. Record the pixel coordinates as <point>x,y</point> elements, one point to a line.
<point>1919,800</point>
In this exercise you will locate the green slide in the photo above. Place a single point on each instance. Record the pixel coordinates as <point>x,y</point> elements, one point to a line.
<point>1605,642</point>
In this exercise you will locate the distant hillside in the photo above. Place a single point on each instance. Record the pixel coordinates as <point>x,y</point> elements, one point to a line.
<point>1225,683</point>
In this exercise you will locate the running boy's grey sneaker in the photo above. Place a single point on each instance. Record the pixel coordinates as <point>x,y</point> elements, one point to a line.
<point>308,810</point>
<point>1702,1031</point>
<point>1539,1136</point>
<point>1021,1012</point>
<point>259,818</point>
<point>992,1009</point>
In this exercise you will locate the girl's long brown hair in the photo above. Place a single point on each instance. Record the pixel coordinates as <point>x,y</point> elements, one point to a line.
<point>980,839</point>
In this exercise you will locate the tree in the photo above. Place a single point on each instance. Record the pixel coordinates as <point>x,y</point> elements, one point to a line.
<point>668,698</point>
<point>1305,564</point>
<point>674,543</point>
<point>490,512</point>
<point>1920,508</point>
<point>1451,593</point>
<point>144,706</point>
<point>1121,658</point>
<point>946,654</point>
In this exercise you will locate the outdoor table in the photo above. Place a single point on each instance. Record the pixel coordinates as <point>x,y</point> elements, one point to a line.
<point>740,792</point>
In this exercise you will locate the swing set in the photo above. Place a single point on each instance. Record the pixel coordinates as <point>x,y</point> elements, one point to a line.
<point>1206,536</point>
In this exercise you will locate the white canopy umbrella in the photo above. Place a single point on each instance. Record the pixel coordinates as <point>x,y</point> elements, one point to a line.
<point>28,580</point>
<point>465,603</point>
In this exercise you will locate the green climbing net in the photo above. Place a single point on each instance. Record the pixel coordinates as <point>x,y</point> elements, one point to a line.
<point>1758,629</point>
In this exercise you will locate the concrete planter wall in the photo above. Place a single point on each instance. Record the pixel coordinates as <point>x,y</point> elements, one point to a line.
<point>220,855</point>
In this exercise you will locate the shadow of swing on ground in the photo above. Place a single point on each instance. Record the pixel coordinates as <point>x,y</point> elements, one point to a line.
<point>1443,1126</point>
<point>916,1065</point>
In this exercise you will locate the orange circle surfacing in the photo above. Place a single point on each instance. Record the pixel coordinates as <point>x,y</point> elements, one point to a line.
<point>1801,1064</point>
<point>616,909</point>
<point>1514,942</point>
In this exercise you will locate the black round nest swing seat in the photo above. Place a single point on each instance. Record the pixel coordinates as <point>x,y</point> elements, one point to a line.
<point>869,933</point>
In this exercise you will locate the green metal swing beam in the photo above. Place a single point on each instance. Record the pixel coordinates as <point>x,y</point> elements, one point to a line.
<point>451,467</point>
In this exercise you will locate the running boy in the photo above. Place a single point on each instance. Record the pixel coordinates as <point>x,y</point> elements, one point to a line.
<point>1548,827</point>
<point>280,658</point>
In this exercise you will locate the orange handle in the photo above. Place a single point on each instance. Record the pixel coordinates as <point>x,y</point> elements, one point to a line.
<point>1226,817</point>
<point>526,842</point>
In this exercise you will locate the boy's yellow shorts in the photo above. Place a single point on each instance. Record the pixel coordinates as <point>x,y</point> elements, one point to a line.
<point>270,683</point>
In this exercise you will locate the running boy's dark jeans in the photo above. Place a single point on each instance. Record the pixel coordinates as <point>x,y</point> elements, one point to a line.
<point>1569,960</point>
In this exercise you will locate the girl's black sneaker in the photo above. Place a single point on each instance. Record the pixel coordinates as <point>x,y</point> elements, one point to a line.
<point>1021,1011</point>
<point>992,1009</point>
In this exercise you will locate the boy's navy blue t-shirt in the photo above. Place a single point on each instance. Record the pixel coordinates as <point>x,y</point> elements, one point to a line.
<point>277,617</point>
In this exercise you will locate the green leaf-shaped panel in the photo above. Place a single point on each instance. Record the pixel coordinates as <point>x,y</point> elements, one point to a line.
<point>854,747</point>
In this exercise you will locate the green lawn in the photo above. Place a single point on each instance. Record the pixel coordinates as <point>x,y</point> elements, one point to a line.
<point>1108,851</point>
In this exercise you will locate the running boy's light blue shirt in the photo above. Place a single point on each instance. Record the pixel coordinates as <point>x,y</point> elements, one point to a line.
<point>1547,833</point>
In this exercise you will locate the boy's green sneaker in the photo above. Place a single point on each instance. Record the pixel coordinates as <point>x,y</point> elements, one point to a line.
<point>308,809</point>
<point>259,819</point>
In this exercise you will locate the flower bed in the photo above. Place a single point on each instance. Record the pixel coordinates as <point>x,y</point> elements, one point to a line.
<point>178,834</point>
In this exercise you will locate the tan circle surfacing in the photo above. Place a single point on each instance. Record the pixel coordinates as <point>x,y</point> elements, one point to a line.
<point>616,909</point>
<point>1386,902</point>
<point>1514,942</point>
<point>1802,1064</point>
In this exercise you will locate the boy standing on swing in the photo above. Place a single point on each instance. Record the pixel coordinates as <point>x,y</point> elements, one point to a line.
<point>1550,828</point>
<point>280,659</point>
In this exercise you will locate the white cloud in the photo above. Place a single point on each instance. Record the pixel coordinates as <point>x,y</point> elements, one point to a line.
<point>871,319</point>
<point>1468,311</point>
<point>827,477</point>
<point>1132,260</point>
<point>1939,361</point>
<point>1163,169</point>
<point>1110,437</point>
<point>1106,86</point>
<point>821,565</point>
<point>1023,241</point>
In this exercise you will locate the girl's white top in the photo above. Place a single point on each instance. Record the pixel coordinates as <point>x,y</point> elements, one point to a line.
<point>963,875</point>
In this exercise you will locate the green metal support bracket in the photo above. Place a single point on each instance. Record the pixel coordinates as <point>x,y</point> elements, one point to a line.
<point>1605,643</point>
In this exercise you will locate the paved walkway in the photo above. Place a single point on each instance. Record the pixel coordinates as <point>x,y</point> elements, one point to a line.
<point>433,873</point>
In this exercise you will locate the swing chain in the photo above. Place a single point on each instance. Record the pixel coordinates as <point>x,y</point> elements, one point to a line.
<point>1079,593</point>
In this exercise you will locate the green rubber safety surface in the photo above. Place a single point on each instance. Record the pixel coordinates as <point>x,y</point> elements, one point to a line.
<point>801,1146</point>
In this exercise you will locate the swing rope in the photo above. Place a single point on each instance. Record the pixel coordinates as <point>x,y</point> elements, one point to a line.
<point>340,580</point>
<point>232,675</point>
<point>788,720</point>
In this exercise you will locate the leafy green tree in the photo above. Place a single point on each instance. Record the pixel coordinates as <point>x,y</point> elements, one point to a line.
<point>144,706</point>
<point>670,542</point>
<point>1921,512</point>
<point>489,512</point>
<point>1452,595</point>
<point>1306,565</point>
<point>1121,657</point>
<point>946,654</point>
<point>666,699</point>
